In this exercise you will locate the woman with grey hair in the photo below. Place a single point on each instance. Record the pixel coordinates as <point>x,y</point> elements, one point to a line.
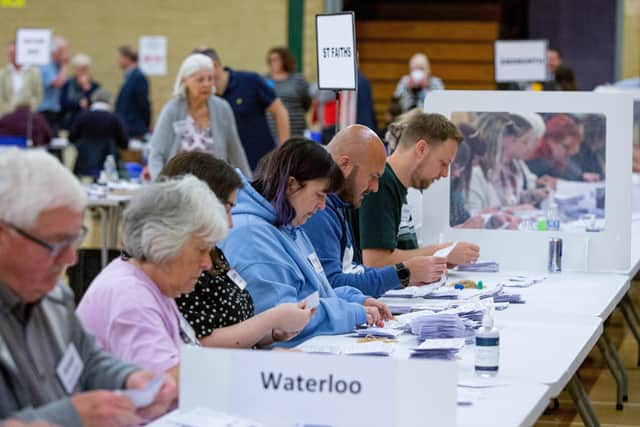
<point>196,120</point>
<point>169,231</point>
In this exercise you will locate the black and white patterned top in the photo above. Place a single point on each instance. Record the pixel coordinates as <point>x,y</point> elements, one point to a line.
<point>216,301</point>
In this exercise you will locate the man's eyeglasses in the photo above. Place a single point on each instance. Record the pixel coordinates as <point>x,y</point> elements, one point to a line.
<point>57,248</point>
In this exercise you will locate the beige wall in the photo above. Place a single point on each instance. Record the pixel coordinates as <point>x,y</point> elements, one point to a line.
<point>241,30</point>
<point>631,39</point>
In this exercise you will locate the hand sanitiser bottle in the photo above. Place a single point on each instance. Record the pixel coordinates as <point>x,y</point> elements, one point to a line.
<point>487,346</point>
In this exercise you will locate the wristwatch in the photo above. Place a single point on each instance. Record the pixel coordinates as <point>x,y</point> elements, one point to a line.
<point>403,274</point>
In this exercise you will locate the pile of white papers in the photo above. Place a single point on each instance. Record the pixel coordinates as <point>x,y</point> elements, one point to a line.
<point>374,348</point>
<point>522,281</point>
<point>200,417</point>
<point>439,348</point>
<point>480,267</point>
<point>379,332</point>
<point>414,291</point>
<point>439,326</point>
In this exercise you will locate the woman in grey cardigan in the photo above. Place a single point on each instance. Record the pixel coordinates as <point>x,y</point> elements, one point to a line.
<point>196,120</point>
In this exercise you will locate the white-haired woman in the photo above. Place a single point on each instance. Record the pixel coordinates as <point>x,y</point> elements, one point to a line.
<point>413,88</point>
<point>75,95</point>
<point>196,120</point>
<point>169,231</point>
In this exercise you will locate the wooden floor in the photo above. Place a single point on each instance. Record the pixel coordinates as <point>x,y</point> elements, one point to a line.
<point>599,383</point>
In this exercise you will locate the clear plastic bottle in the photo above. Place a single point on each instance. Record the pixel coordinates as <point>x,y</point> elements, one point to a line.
<point>553,217</point>
<point>487,355</point>
<point>110,169</point>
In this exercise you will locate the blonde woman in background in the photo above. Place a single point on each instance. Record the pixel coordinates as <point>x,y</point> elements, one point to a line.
<point>196,120</point>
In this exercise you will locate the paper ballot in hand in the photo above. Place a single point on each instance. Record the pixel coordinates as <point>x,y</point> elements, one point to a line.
<point>444,252</point>
<point>142,397</point>
<point>312,300</point>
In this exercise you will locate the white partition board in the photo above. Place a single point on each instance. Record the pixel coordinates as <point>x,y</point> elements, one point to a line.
<point>232,381</point>
<point>605,251</point>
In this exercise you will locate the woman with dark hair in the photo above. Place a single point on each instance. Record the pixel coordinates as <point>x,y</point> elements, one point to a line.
<point>219,309</point>
<point>272,252</point>
<point>291,88</point>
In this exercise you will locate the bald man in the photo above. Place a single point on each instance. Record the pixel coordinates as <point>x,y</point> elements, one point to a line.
<point>361,157</point>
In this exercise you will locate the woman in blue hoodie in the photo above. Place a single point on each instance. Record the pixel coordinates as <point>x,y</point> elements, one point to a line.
<point>270,250</point>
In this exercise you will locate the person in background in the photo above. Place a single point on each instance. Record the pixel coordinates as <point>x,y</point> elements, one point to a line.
<point>18,82</point>
<point>554,154</point>
<point>413,88</point>
<point>564,78</point>
<point>394,110</point>
<point>220,309</point>
<point>361,156</point>
<point>132,104</point>
<point>75,95</point>
<point>591,157</point>
<point>25,122</point>
<point>517,141</point>
<point>271,250</point>
<point>54,75</point>
<point>169,231</point>
<point>290,87</point>
<point>365,114</point>
<point>97,133</point>
<point>426,148</point>
<point>554,60</point>
<point>196,120</point>
<point>250,98</point>
<point>41,225</point>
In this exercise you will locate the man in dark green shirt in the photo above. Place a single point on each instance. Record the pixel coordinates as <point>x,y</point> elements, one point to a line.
<point>387,235</point>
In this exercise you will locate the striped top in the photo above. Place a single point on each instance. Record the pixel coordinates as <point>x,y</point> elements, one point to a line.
<point>294,93</point>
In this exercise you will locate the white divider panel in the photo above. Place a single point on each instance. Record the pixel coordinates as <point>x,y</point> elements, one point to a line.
<point>605,251</point>
<point>286,389</point>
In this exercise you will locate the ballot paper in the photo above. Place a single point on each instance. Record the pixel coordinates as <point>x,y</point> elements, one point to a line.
<point>444,252</point>
<point>142,397</point>
<point>441,344</point>
<point>312,300</point>
<point>522,281</point>
<point>399,308</point>
<point>438,348</point>
<point>200,417</point>
<point>480,267</point>
<point>415,291</point>
<point>373,348</point>
<point>379,332</point>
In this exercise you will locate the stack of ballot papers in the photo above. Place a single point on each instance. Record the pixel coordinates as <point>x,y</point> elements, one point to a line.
<point>480,267</point>
<point>446,348</point>
<point>521,281</point>
<point>379,332</point>
<point>415,291</point>
<point>439,326</point>
<point>201,417</point>
<point>374,348</point>
<point>502,297</point>
<point>473,311</point>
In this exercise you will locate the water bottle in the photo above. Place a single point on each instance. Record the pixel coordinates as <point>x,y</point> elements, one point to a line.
<point>553,217</point>
<point>110,169</point>
<point>487,355</point>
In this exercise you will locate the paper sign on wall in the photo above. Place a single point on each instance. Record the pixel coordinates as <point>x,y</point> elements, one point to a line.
<point>33,46</point>
<point>336,50</point>
<point>152,55</point>
<point>521,60</point>
<point>277,388</point>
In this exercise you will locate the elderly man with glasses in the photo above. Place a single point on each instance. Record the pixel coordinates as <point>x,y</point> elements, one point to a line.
<point>50,368</point>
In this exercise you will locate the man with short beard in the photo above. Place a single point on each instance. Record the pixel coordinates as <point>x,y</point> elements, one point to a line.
<point>361,156</point>
<point>425,150</point>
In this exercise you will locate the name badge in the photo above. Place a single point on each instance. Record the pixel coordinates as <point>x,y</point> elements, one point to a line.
<point>315,262</point>
<point>187,334</point>
<point>236,278</point>
<point>70,368</point>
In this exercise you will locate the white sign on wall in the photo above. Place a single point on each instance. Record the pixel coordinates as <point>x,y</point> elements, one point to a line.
<point>33,46</point>
<point>152,55</point>
<point>336,49</point>
<point>278,388</point>
<point>521,60</point>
